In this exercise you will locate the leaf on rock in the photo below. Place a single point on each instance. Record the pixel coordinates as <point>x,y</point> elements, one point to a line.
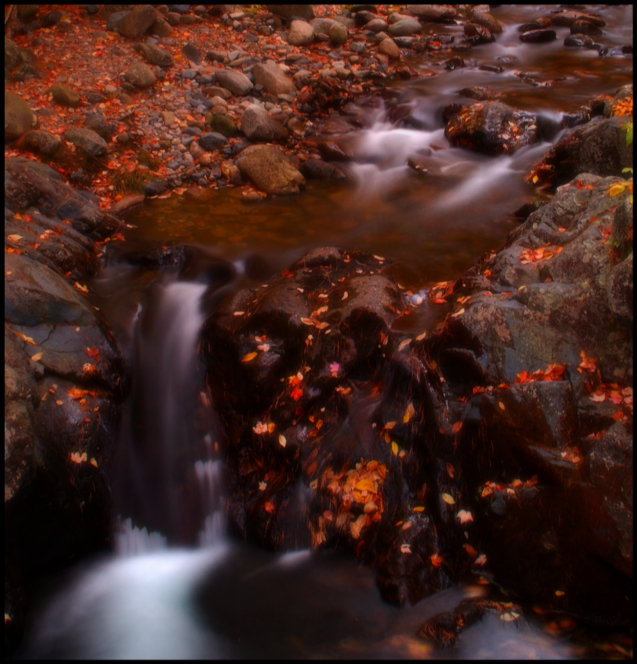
<point>249,357</point>
<point>448,498</point>
<point>465,516</point>
<point>409,413</point>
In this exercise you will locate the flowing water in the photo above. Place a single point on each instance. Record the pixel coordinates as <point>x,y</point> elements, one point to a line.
<point>156,598</point>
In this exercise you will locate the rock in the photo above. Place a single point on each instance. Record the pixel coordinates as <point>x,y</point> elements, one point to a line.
<point>212,141</point>
<point>216,91</point>
<point>18,116</point>
<point>258,125</point>
<point>114,20</point>
<point>567,17</point>
<point>338,34</point>
<point>161,27</point>
<point>619,289</point>
<point>269,170</point>
<point>223,124</point>
<point>433,13</point>
<point>125,205</point>
<point>488,21</point>
<point>137,22</point>
<point>377,25</point>
<point>192,53</point>
<point>489,128</point>
<point>317,169</point>
<point>12,56</point>
<point>580,41</point>
<point>480,93</point>
<point>64,95</point>
<point>98,123</point>
<point>272,78</point>
<point>290,12</point>
<point>155,55</point>
<point>141,76</point>
<point>301,33</point>
<point>43,142</point>
<point>538,36</point>
<point>388,47</point>
<point>598,147</point>
<point>155,187</point>
<point>86,139</point>
<point>27,13</point>
<point>585,27</point>
<point>235,81</point>
<point>168,117</point>
<point>405,28</point>
<point>478,33</point>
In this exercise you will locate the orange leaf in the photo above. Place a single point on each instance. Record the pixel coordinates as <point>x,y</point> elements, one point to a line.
<point>249,357</point>
<point>456,427</point>
<point>436,560</point>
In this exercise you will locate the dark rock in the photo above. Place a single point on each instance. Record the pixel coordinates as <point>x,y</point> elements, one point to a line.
<point>480,93</point>
<point>321,170</point>
<point>585,27</point>
<point>492,128</point>
<point>99,124</point>
<point>258,125</point>
<point>114,20</point>
<point>161,27</point>
<point>488,21</point>
<point>222,124</point>
<point>581,41</point>
<point>538,36</point>
<point>141,76</point>
<point>155,55</point>
<point>212,141</point>
<point>86,139</point>
<point>155,187</point>
<point>18,116</point>
<point>234,81</point>
<point>290,12</point>
<point>568,17</point>
<point>433,13</point>
<point>454,63</point>
<point>27,13</point>
<point>478,33</point>
<point>43,142</point>
<point>405,28</point>
<point>192,53</point>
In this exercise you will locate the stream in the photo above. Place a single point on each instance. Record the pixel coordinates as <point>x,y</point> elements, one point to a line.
<point>176,585</point>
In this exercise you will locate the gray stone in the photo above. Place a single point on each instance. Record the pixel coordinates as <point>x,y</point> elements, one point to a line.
<point>377,25</point>
<point>212,141</point>
<point>43,142</point>
<point>269,170</point>
<point>161,27</point>
<point>235,81</point>
<point>141,75</point>
<point>272,79</point>
<point>86,139</point>
<point>301,33</point>
<point>434,13</point>
<point>338,34</point>
<point>289,12</point>
<point>18,116</point>
<point>258,125</point>
<point>388,47</point>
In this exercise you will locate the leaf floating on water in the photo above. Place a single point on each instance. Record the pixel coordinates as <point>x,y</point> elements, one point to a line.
<point>282,441</point>
<point>448,498</point>
<point>249,357</point>
<point>409,413</point>
<point>464,516</point>
<point>405,548</point>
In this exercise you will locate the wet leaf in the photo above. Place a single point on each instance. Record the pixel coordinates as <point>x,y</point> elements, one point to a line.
<point>389,426</point>
<point>405,548</point>
<point>409,413</point>
<point>37,356</point>
<point>404,343</point>
<point>464,516</point>
<point>420,337</point>
<point>448,498</point>
<point>263,486</point>
<point>282,441</point>
<point>436,560</point>
<point>80,287</point>
<point>394,448</point>
<point>249,357</point>
<point>296,394</point>
<point>419,508</point>
<point>271,427</point>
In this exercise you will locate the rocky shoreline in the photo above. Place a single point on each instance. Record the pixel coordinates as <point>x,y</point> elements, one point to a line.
<point>514,415</point>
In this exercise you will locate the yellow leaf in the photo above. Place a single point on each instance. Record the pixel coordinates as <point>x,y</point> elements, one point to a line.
<point>249,357</point>
<point>409,413</point>
<point>271,427</point>
<point>404,343</point>
<point>448,498</point>
<point>535,179</point>
<point>559,593</point>
<point>390,425</point>
<point>419,508</point>
<point>394,448</point>
<point>366,485</point>
<point>93,462</point>
<point>282,441</point>
<point>615,190</point>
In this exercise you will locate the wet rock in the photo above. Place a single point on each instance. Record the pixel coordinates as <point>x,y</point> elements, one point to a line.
<point>567,17</point>
<point>321,170</point>
<point>127,204</point>
<point>18,116</point>
<point>155,55</point>
<point>270,170</point>
<point>42,142</point>
<point>580,41</point>
<point>137,22</point>
<point>272,78</point>
<point>598,147</point>
<point>480,93</point>
<point>64,95</point>
<point>405,28</point>
<point>86,139</point>
<point>301,33</point>
<point>258,125</point>
<point>155,187</point>
<point>27,13</point>
<point>388,47</point>
<point>433,13</point>
<point>620,289</point>
<point>235,81</point>
<point>141,76</point>
<point>538,36</point>
<point>492,128</point>
<point>378,25</point>
<point>454,63</point>
<point>488,21</point>
<point>478,33</point>
<point>585,27</point>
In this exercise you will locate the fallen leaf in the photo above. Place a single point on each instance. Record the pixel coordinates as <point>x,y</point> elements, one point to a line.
<point>357,526</point>
<point>448,498</point>
<point>481,559</point>
<point>559,593</point>
<point>263,486</point>
<point>464,516</point>
<point>451,471</point>
<point>15,238</point>
<point>436,560</point>
<point>470,550</point>
<point>344,296</point>
<point>419,508</point>
<point>405,548</point>
<point>260,427</point>
<point>509,616</point>
<point>249,357</point>
<point>37,356</point>
<point>238,313</point>
<point>296,394</point>
<point>409,413</point>
<point>394,448</point>
<point>264,348</point>
<point>404,343</point>
<point>282,441</point>
<point>271,427</point>
<point>335,367</point>
<point>587,365</point>
<point>420,337</point>
<point>456,427</point>
<point>93,462</point>
<point>81,288</point>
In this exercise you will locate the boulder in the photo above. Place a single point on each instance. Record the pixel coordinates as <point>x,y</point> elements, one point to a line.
<point>538,36</point>
<point>301,33</point>
<point>388,47</point>
<point>64,95</point>
<point>222,124</point>
<point>161,27</point>
<point>488,21</point>
<point>432,13</point>
<point>492,128</point>
<point>269,170</point>
<point>212,141</point>
<point>137,22</point>
<point>235,81</point>
<point>318,169</point>
<point>86,139</point>
<point>405,28</point>
<point>272,78</point>
<point>99,124</point>
<point>141,75</point>
<point>18,116</point>
<point>258,125</point>
<point>478,34</point>
<point>338,34</point>
<point>155,55</point>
